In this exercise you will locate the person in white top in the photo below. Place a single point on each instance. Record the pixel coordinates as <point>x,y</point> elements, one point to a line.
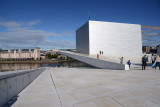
<point>157,62</point>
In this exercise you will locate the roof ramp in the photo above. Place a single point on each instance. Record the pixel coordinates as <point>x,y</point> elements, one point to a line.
<point>99,63</point>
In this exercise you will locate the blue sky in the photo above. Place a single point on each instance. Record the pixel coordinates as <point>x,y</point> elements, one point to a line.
<point>52,23</point>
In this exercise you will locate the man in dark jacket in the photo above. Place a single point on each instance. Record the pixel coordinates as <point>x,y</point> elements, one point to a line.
<point>144,60</point>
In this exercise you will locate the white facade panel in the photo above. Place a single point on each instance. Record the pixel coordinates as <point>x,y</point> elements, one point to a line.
<point>115,39</point>
<point>82,39</point>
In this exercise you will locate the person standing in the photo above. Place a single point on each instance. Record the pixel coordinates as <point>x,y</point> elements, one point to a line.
<point>100,52</point>
<point>157,62</point>
<point>121,60</point>
<point>147,58</point>
<point>152,59</point>
<point>155,57</point>
<point>129,63</point>
<point>144,60</point>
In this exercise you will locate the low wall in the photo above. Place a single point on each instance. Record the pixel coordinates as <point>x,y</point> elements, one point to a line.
<point>96,62</point>
<point>13,82</point>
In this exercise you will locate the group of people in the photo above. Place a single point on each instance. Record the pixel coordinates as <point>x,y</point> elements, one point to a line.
<point>101,53</point>
<point>155,60</point>
<point>121,61</point>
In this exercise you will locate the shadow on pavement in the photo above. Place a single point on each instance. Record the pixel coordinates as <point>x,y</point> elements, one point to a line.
<point>11,102</point>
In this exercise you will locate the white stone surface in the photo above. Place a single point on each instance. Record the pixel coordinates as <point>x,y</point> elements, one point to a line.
<point>81,87</point>
<point>3,92</point>
<point>13,82</point>
<point>12,87</point>
<point>114,39</point>
<point>40,93</point>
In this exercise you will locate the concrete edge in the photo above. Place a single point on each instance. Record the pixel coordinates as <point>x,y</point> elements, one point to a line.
<point>8,74</point>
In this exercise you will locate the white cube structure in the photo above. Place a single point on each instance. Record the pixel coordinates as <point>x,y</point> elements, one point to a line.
<point>114,39</point>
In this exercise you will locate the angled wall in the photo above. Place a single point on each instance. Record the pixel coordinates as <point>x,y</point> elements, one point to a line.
<point>12,83</point>
<point>82,39</point>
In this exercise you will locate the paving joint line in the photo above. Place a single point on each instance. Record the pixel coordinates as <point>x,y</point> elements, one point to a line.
<point>55,87</point>
<point>95,103</point>
<point>147,94</point>
<point>116,101</point>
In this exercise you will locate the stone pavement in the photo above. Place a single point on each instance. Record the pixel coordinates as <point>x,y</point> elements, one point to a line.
<point>82,87</point>
<point>40,93</point>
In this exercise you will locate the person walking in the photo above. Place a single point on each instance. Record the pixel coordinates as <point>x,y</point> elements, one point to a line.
<point>157,62</point>
<point>97,56</point>
<point>129,63</point>
<point>121,60</point>
<point>144,60</point>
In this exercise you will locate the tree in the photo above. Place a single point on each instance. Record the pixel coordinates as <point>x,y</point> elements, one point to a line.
<point>49,55</point>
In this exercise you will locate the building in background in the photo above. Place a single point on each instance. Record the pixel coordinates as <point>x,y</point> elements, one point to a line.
<point>149,50</point>
<point>158,50</point>
<point>20,54</point>
<point>54,51</point>
<point>114,39</point>
<point>153,50</point>
<point>146,49</point>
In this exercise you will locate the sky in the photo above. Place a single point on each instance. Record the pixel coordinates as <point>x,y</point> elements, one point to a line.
<point>25,24</point>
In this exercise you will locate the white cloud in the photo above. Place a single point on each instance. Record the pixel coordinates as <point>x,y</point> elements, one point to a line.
<point>151,37</point>
<point>13,24</point>
<point>10,24</point>
<point>69,33</point>
<point>31,38</point>
<point>34,22</point>
<point>25,37</point>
